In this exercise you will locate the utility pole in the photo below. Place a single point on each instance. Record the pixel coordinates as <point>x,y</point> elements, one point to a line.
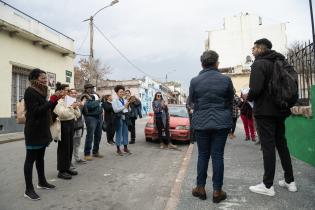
<point>91,57</point>
<point>312,21</point>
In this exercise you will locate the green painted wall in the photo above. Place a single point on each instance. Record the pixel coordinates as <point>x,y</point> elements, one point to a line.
<point>300,134</point>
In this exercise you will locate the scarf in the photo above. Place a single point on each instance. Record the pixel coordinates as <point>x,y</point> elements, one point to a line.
<point>40,88</point>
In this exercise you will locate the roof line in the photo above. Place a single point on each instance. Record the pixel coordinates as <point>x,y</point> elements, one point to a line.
<point>35,19</point>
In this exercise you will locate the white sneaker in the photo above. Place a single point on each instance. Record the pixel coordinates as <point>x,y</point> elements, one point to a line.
<point>291,186</point>
<point>262,189</point>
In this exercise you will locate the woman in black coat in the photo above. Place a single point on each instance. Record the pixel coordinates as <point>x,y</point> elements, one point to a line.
<point>162,121</point>
<point>37,130</point>
<point>109,118</point>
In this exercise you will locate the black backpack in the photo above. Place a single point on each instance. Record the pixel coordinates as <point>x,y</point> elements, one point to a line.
<point>283,85</point>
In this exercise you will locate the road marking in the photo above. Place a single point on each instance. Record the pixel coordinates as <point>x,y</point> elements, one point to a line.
<point>176,189</point>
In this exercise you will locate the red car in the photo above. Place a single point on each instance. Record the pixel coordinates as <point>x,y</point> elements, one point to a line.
<point>179,124</point>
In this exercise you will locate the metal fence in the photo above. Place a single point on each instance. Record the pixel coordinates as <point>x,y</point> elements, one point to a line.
<point>302,58</point>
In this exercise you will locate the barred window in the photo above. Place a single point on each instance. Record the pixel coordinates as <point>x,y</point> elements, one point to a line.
<point>19,85</point>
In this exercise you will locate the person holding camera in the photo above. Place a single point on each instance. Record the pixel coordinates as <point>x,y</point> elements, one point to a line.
<point>121,109</point>
<point>36,130</point>
<point>135,111</point>
<point>93,116</point>
<point>67,114</point>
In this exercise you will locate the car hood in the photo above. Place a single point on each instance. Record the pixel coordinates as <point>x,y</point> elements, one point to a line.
<point>174,121</point>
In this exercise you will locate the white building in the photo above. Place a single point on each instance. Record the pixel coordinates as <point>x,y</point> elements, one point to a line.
<point>235,41</point>
<point>144,89</point>
<point>26,43</point>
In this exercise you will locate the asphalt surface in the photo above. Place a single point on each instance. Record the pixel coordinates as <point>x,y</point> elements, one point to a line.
<point>140,181</point>
<point>243,168</point>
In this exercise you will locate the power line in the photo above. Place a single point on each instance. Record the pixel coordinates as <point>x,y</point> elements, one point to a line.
<point>122,54</point>
<point>83,41</point>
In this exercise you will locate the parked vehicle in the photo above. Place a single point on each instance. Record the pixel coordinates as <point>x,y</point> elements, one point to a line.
<point>179,124</point>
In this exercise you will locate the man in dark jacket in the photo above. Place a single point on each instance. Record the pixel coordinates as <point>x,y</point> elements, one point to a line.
<point>135,111</point>
<point>212,95</point>
<point>269,118</point>
<point>92,112</point>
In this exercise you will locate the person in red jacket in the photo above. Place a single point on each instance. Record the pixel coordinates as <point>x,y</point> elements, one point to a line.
<point>247,118</point>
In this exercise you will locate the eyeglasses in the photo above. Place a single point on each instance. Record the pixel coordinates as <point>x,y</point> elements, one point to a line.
<point>158,95</point>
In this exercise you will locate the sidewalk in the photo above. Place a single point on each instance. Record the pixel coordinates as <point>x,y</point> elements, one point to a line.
<point>10,137</point>
<point>244,167</point>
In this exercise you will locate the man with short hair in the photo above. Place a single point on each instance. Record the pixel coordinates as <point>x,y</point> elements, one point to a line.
<point>269,118</point>
<point>212,93</point>
<point>92,112</point>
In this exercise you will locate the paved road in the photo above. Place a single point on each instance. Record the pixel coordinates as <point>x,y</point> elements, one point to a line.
<point>141,181</point>
<point>244,167</point>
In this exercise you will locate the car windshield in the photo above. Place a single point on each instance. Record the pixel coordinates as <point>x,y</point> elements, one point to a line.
<point>178,111</point>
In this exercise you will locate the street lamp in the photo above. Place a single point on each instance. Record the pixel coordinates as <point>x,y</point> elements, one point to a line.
<point>91,56</point>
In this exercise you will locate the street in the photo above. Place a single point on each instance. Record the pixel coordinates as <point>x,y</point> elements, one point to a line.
<point>142,180</point>
<point>152,179</point>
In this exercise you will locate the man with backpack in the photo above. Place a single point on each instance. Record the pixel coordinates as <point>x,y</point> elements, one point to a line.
<point>274,90</point>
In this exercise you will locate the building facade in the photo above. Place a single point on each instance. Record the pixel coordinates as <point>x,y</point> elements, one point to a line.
<point>144,89</point>
<point>26,43</point>
<point>235,41</point>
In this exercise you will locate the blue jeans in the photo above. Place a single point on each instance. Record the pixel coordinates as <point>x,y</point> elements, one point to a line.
<point>93,132</point>
<point>211,143</point>
<point>121,132</point>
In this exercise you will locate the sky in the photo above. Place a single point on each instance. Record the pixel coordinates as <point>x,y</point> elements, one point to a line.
<point>159,36</point>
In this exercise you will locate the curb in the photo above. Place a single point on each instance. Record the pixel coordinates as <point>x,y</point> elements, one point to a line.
<point>11,137</point>
<point>176,189</point>
<point>11,140</point>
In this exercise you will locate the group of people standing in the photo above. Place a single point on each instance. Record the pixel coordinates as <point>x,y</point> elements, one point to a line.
<point>215,114</point>
<point>62,117</point>
<point>212,119</point>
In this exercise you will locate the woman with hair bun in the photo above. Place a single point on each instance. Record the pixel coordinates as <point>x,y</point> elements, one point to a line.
<point>67,114</point>
<point>36,130</point>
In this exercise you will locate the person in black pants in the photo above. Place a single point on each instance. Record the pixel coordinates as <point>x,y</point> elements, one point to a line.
<point>135,111</point>
<point>36,130</point>
<point>190,110</point>
<point>235,115</point>
<point>67,114</point>
<point>270,119</point>
<point>161,119</point>
<point>109,118</point>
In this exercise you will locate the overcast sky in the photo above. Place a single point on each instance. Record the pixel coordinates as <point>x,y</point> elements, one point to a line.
<point>159,36</point>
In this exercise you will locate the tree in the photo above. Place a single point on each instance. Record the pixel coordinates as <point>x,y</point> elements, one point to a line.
<point>85,73</point>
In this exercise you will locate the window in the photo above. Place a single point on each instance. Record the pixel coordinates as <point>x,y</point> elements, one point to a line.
<point>19,84</point>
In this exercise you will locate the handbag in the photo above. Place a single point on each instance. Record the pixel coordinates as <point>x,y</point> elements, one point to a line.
<point>104,126</point>
<point>55,130</point>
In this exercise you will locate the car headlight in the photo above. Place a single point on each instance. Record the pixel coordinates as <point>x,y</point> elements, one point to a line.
<point>150,125</point>
<point>182,127</point>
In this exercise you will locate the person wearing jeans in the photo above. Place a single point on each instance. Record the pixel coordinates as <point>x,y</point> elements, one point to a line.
<point>212,94</point>
<point>92,112</point>
<point>211,143</point>
<point>93,135</point>
<point>121,109</point>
